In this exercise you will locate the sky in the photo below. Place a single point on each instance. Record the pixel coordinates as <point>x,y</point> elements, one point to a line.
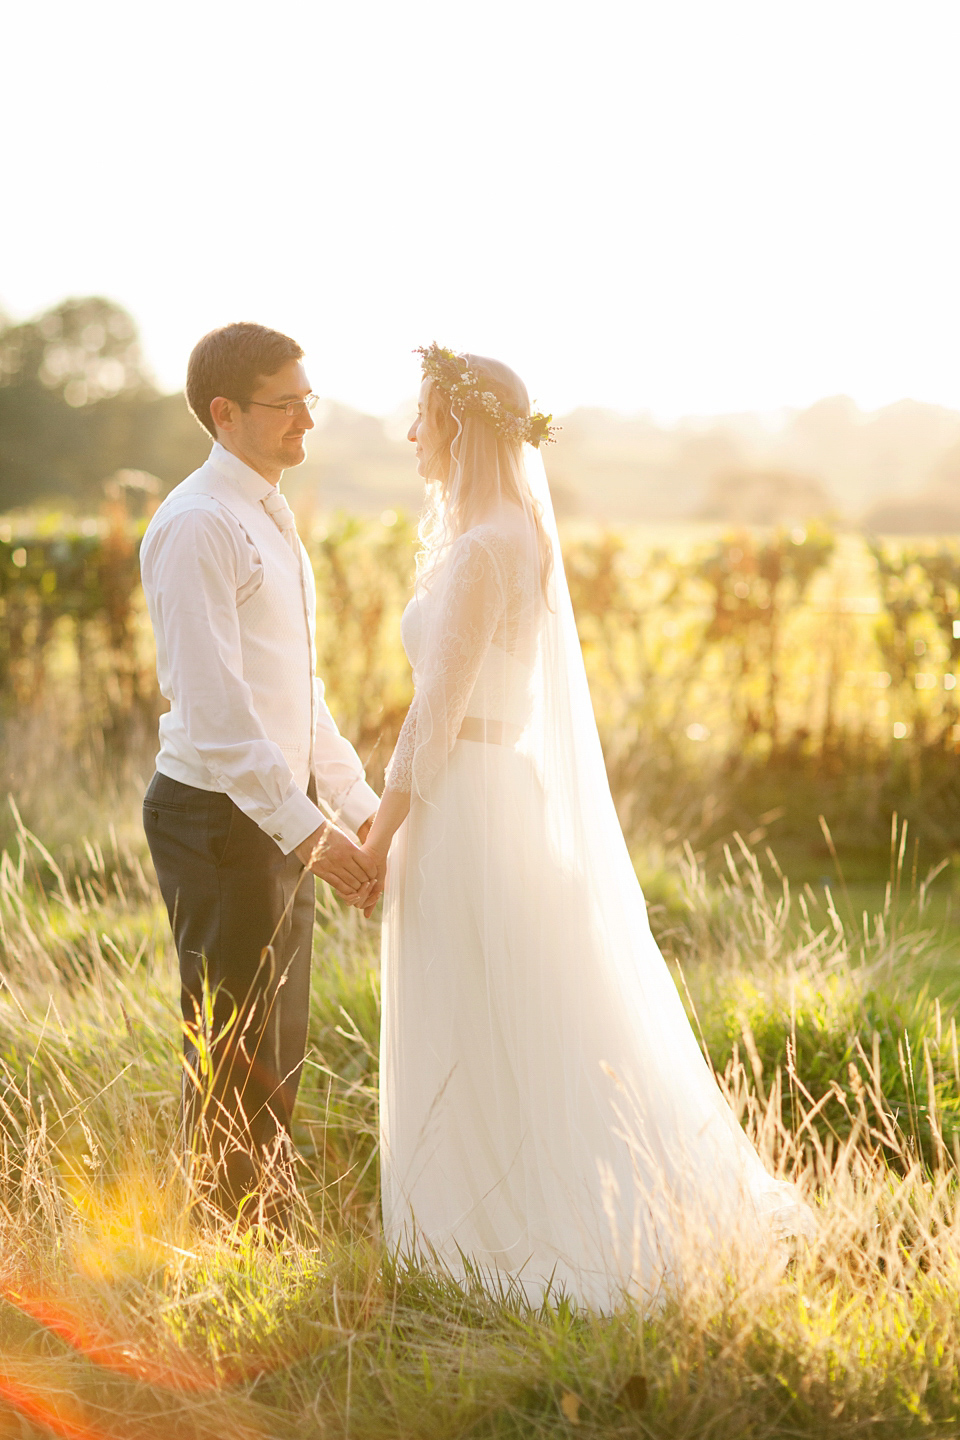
<point>665,206</point>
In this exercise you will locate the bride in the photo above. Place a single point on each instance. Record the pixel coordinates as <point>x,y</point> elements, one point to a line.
<point>547,1117</point>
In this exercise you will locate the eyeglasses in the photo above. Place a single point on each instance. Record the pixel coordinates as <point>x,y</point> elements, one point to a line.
<point>291,408</point>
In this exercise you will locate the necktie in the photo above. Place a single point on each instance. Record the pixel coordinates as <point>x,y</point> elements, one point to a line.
<point>282,516</point>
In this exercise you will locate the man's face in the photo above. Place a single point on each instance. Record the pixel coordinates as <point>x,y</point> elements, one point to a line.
<point>263,435</point>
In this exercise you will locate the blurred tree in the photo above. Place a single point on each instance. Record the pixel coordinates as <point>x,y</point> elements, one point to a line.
<point>77,404</point>
<point>83,350</point>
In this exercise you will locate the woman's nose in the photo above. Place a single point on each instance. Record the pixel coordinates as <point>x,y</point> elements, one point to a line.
<point>412,432</point>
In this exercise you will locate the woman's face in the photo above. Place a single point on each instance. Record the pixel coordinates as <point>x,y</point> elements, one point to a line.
<point>423,432</point>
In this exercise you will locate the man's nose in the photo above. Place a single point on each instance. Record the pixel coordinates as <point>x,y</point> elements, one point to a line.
<point>308,420</point>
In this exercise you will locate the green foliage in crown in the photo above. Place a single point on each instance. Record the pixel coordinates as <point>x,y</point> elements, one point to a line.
<point>463,386</point>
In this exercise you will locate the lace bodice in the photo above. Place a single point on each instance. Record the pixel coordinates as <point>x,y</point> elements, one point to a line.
<point>471,636</point>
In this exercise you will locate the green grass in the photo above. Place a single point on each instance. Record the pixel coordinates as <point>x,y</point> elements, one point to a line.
<point>122,1318</point>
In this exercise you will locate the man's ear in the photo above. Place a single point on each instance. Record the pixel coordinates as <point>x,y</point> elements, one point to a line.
<point>223,412</point>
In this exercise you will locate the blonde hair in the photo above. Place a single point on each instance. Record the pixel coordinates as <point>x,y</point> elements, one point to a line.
<point>485,466</point>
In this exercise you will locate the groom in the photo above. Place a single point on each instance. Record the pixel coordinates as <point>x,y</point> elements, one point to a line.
<point>246,749</point>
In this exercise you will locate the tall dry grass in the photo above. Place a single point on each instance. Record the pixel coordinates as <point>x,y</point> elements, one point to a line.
<point>122,1317</point>
<point>736,675</point>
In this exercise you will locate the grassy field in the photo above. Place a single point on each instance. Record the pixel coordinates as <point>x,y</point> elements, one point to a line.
<point>833,1034</point>
<point>745,686</point>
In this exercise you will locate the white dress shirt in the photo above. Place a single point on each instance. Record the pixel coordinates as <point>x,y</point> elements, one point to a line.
<point>233,608</point>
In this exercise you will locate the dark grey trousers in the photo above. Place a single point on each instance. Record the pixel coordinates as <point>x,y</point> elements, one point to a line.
<point>242,918</point>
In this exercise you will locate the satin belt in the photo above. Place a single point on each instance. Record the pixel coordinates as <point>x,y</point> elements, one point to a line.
<point>493,732</point>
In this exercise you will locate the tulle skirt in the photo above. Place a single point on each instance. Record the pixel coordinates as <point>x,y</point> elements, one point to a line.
<point>548,1121</point>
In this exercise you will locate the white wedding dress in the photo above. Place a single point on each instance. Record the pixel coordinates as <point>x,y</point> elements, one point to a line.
<point>547,1117</point>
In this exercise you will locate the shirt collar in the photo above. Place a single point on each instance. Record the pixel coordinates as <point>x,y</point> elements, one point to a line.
<point>249,482</point>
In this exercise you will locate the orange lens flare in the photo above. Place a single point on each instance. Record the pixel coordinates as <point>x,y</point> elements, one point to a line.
<point>97,1346</point>
<point>34,1407</point>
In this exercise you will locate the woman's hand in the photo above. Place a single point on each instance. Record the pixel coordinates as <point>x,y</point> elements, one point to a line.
<point>377,856</point>
<point>394,807</point>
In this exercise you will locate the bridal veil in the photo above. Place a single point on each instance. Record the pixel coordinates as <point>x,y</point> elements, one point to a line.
<point>547,1114</point>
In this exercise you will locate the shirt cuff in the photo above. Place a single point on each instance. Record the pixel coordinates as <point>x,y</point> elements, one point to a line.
<point>358,805</point>
<point>296,819</point>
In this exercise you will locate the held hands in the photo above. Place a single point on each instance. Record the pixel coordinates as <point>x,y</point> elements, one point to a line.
<point>358,874</point>
<point>329,853</point>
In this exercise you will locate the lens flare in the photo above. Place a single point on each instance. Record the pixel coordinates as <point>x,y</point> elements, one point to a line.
<point>33,1406</point>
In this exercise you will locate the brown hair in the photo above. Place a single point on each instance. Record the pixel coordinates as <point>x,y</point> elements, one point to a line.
<point>230,361</point>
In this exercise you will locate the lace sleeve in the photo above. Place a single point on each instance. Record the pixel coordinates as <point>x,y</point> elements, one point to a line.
<point>465,618</point>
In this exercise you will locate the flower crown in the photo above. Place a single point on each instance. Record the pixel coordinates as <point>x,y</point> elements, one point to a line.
<point>451,374</point>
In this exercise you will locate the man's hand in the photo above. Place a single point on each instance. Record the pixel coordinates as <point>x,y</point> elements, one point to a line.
<point>335,858</point>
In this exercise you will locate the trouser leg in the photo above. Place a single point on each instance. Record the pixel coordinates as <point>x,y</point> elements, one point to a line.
<point>242,918</point>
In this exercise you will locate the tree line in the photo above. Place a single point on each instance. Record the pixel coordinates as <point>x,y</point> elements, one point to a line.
<point>78,404</point>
